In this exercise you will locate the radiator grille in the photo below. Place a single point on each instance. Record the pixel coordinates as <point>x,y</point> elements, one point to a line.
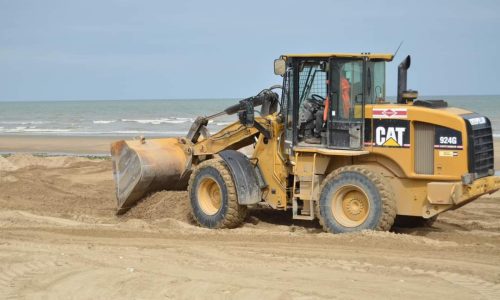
<point>481,155</point>
<point>424,148</point>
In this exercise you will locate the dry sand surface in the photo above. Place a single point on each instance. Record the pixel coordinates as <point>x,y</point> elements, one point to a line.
<point>60,239</point>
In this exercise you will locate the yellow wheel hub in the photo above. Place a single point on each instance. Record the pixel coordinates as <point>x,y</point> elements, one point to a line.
<point>350,206</point>
<point>209,196</point>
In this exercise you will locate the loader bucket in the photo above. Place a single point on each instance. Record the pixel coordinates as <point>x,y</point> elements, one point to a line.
<point>141,167</point>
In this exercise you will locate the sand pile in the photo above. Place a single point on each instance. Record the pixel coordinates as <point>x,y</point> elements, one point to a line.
<point>164,204</point>
<point>19,161</point>
<point>58,186</point>
<point>6,165</point>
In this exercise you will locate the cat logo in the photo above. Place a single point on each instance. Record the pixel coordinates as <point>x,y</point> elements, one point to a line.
<point>390,136</point>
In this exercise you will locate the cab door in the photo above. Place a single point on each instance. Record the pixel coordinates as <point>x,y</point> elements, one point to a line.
<point>346,112</point>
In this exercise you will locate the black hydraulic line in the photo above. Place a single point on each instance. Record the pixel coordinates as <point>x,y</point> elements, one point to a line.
<point>259,99</point>
<point>262,130</point>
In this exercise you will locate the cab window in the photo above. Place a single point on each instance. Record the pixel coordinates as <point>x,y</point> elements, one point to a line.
<point>350,88</point>
<point>375,82</point>
<point>312,81</point>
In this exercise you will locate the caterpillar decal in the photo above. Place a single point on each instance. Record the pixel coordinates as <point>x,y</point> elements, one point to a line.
<point>391,133</point>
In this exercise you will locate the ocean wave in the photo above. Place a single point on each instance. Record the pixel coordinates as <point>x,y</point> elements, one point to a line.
<point>24,122</point>
<point>223,123</point>
<point>131,132</point>
<point>16,129</point>
<point>69,132</point>
<point>30,129</point>
<point>103,121</point>
<point>159,121</point>
<point>141,132</point>
<point>46,130</point>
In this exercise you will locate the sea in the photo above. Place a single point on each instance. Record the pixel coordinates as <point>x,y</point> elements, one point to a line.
<point>155,117</point>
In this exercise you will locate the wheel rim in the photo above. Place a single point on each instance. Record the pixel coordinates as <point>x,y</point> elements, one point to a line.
<point>350,206</point>
<point>209,196</point>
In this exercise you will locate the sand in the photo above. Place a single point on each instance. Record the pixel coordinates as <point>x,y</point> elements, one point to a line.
<point>85,145</point>
<point>60,239</point>
<point>81,145</point>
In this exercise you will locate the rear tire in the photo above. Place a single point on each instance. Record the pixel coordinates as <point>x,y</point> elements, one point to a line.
<point>354,198</point>
<point>213,198</point>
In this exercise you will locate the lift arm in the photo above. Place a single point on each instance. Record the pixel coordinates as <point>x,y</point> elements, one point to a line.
<point>267,99</point>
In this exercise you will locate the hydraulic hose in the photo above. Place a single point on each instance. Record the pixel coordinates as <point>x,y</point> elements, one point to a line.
<point>259,99</point>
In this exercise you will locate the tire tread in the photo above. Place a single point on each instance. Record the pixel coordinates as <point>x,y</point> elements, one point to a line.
<point>236,213</point>
<point>386,195</point>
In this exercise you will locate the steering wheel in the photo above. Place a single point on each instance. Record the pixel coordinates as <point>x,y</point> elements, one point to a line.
<point>318,99</point>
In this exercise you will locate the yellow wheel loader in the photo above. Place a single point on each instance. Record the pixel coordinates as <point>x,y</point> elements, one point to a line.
<point>331,147</point>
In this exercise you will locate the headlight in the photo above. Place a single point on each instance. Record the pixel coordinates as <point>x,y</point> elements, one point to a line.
<point>468,178</point>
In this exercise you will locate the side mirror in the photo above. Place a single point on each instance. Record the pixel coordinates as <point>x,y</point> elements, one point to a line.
<point>279,66</point>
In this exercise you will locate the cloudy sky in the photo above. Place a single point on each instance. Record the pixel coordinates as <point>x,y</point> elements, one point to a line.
<point>119,49</point>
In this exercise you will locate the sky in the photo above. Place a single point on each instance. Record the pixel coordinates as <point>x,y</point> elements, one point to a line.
<point>123,49</point>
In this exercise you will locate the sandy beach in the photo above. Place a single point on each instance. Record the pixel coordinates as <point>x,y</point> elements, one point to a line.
<point>380,108</point>
<point>60,239</point>
<point>79,145</point>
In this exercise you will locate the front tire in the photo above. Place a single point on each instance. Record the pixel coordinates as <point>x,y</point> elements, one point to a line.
<point>213,198</point>
<point>354,198</point>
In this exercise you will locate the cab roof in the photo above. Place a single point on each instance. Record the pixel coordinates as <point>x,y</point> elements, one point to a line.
<point>371,56</point>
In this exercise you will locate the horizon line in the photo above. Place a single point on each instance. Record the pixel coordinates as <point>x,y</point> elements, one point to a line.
<point>211,98</point>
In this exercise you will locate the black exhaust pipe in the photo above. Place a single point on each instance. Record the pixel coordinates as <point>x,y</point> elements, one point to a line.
<point>402,78</point>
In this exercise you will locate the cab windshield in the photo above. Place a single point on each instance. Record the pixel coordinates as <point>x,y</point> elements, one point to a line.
<point>312,80</point>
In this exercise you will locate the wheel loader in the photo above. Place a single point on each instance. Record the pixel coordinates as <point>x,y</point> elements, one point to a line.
<point>330,146</point>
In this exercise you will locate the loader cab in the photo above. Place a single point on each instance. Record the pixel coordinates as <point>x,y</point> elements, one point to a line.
<point>324,98</point>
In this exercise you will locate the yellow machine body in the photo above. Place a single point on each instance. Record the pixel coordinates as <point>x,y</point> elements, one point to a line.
<point>428,177</point>
<point>142,167</point>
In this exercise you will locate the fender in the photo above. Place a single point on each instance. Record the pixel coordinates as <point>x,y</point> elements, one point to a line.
<point>244,176</point>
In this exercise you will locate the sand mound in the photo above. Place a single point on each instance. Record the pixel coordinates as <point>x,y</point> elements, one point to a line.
<point>6,165</point>
<point>69,187</point>
<point>164,204</point>
<point>19,161</point>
